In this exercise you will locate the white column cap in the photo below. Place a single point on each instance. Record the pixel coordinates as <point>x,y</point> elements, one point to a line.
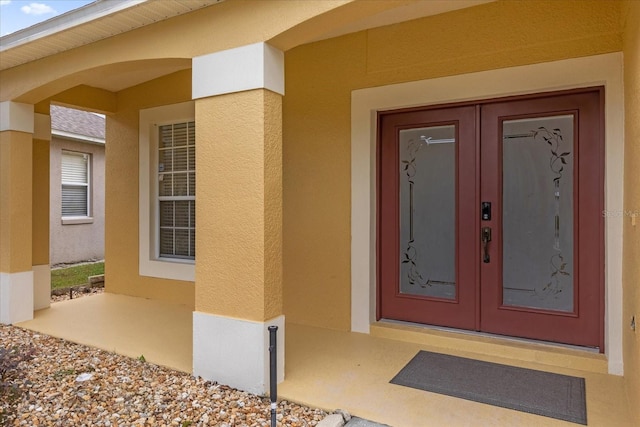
<point>255,66</point>
<point>16,116</point>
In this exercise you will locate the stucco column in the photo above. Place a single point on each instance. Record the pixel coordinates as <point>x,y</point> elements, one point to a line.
<point>239,215</point>
<point>16,152</point>
<point>40,221</point>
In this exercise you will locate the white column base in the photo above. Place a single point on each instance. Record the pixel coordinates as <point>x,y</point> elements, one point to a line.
<point>41,286</point>
<point>16,297</point>
<point>235,352</point>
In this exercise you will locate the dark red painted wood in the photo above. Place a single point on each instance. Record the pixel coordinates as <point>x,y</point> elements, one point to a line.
<point>583,326</point>
<point>458,313</point>
<point>479,302</point>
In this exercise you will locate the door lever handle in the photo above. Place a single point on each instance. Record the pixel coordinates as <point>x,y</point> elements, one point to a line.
<point>485,236</point>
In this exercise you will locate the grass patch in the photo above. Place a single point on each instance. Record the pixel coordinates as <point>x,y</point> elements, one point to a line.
<point>77,275</point>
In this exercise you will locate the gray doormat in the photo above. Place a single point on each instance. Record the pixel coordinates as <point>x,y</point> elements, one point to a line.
<point>535,392</point>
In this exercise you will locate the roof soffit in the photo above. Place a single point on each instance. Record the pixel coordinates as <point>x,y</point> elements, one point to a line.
<point>96,21</point>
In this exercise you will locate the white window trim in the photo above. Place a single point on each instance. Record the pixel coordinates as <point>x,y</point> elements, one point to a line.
<point>599,70</point>
<point>78,219</point>
<point>149,264</point>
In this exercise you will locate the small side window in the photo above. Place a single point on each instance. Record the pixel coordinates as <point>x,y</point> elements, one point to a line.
<point>75,184</point>
<point>177,190</point>
<point>167,192</point>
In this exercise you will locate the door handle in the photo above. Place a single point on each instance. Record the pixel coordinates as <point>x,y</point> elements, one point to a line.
<point>485,236</point>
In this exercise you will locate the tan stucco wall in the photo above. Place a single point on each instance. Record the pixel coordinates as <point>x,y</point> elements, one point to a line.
<point>631,233</point>
<point>319,81</point>
<point>40,227</point>
<point>90,99</point>
<point>16,150</point>
<point>121,191</point>
<point>239,208</point>
<point>77,242</point>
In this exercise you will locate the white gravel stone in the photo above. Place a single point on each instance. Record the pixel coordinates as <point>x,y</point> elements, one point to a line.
<point>333,420</point>
<point>346,416</point>
<point>84,377</point>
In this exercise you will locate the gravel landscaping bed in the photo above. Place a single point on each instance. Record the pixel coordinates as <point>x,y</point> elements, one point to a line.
<point>67,384</point>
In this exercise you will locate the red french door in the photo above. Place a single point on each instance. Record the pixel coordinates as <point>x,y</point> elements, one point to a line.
<point>427,254</point>
<point>489,217</point>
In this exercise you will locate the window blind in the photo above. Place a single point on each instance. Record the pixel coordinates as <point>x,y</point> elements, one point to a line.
<point>75,184</point>
<point>177,190</point>
<point>74,168</point>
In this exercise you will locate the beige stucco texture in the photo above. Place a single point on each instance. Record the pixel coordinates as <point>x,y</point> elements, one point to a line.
<point>40,202</point>
<point>16,150</point>
<point>239,210</point>
<point>121,191</point>
<point>88,97</point>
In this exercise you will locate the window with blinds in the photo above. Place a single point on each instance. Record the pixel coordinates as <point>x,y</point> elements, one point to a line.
<point>75,184</point>
<point>177,190</point>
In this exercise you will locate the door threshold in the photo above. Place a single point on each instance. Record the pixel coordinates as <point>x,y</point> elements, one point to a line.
<point>485,344</point>
<point>595,350</point>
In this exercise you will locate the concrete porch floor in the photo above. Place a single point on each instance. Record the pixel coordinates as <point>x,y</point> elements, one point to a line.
<point>324,368</point>
<point>159,331</point>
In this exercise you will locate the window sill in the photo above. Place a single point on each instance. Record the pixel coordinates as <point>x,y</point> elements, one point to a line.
<point>176,260</point>
<point>72,220</point>
<point>171,268</point>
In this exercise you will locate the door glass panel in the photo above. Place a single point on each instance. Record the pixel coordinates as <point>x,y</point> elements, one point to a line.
<point>537,221</point>
<point>428,211</point>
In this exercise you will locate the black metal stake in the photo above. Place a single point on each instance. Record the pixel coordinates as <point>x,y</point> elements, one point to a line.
<point>273,372</point>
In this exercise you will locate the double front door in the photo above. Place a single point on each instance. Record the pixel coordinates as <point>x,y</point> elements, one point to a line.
<point>490,216</point>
